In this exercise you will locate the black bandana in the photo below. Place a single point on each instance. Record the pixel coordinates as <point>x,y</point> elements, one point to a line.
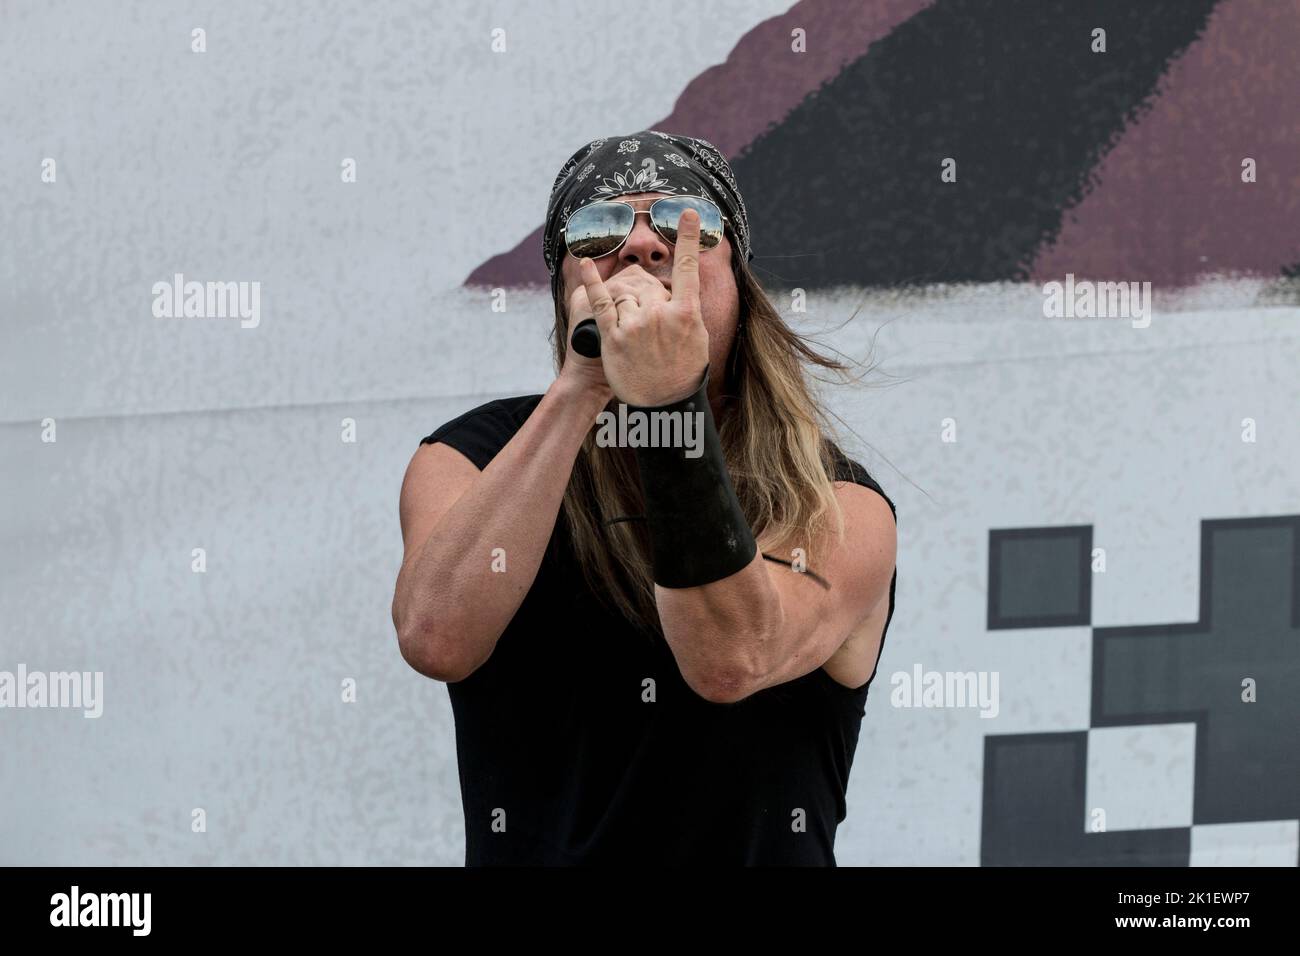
<point>645,162</point>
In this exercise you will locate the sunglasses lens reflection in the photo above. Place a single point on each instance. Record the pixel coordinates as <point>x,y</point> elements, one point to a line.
<point>598,229</point>
<point>668,211</point>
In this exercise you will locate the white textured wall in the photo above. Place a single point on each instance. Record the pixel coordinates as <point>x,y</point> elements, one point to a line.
<point>222,689</point>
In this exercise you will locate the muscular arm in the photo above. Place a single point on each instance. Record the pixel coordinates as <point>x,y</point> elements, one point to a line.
<point>449,606</point>
<point>766,624</point>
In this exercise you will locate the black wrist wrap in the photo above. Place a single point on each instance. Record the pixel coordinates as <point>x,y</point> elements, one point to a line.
<point>698,532</point>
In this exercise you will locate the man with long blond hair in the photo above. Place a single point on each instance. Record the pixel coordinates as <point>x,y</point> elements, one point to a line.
<point>655,654</point>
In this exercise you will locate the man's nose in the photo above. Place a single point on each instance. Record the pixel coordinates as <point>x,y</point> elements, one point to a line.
<point>644,245</point>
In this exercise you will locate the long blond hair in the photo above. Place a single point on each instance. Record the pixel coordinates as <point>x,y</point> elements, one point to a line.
<point>776,441</point>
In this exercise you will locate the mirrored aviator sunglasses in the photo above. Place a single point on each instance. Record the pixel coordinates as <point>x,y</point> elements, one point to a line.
<point>602,227</point>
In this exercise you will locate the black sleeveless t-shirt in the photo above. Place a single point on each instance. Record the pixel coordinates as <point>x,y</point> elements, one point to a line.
<point>563,759</point>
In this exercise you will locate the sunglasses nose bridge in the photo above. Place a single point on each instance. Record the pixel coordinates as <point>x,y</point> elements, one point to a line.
<point>642,244</point>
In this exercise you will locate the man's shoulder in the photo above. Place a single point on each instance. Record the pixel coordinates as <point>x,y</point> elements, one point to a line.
<point>484,430</point>
<point>847,469</point>
<point>515,409</point>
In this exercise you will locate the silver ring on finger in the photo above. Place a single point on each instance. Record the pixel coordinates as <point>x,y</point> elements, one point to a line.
<point>618,318</point>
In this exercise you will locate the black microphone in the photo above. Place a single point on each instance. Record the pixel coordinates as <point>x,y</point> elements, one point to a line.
<point>586,339</point>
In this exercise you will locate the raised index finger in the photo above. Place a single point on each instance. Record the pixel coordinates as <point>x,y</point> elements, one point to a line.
<point>598,297</point>
<point>686,257</point>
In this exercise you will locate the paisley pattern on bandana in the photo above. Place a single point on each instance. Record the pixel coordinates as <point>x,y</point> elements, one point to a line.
<point>638,163</point>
